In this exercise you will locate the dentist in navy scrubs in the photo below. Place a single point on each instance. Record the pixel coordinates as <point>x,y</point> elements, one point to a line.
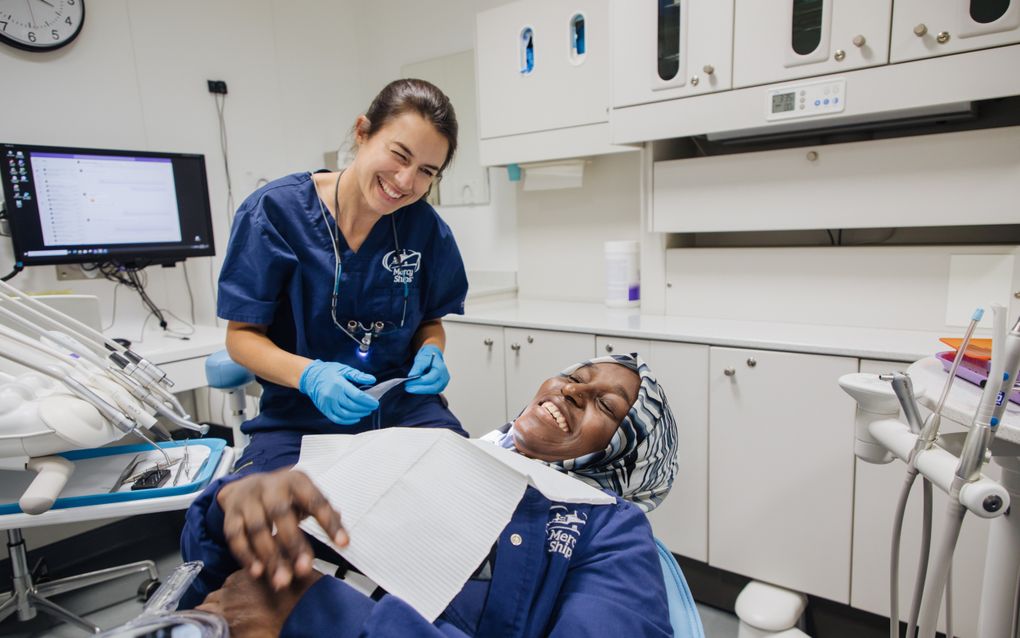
<point>335,281</point>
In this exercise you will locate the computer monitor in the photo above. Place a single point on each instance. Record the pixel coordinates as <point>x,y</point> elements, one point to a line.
<point>77,205</point>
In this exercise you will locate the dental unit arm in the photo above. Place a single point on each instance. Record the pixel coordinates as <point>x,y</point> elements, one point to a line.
<point>79,337</point>
<point>1005,366</point>
<point>879,434</point>
<point>58,394</point>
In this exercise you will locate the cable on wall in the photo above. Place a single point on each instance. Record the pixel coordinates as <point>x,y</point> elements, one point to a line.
<point>218,88</point>
<point>18,266</point>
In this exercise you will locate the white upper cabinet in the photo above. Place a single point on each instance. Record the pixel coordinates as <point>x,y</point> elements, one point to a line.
<point>926,28</point>
<point>543,80</point>
<point>665,49</point>
<point>777,40</point>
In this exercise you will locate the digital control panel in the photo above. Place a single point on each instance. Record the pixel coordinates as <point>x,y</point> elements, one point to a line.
<point>805,100</point>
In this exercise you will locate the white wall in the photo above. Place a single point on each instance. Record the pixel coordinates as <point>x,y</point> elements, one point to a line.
<point>136,79</point>
<point>395,33</point>
<point>561,232</point>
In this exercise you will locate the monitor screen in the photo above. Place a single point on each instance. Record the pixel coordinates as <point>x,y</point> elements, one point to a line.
<point>75,205</point>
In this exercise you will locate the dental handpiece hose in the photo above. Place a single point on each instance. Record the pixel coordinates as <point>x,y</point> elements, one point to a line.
<point>929,434</point>
<point>112,360</point>
<point>1005,367</point>
<point>86,334</point>
<point>62,373</point>
<point>111,374</point>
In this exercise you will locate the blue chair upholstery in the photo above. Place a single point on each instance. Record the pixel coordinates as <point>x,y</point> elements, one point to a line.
<point>683,614</point>
<point>222,373</point>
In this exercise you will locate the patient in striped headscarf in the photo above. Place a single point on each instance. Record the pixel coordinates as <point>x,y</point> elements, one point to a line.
<point>585,423</point>
<point>558,568</point>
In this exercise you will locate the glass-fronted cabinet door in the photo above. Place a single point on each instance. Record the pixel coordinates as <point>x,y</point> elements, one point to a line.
<point>787,39</point>
<point>666,49</point>
<point>922,28</point>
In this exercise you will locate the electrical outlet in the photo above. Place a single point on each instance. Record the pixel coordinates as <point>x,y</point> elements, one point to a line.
<point>217,86</point>
<point>70,272</point>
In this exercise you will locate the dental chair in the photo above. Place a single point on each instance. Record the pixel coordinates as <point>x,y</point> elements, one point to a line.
<point>222,373</point>
<point>683,614</point>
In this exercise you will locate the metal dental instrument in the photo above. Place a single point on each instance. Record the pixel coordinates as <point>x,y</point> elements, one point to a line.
<point>1005,366</point>
<point>904,389</point>
<point>63,373</point>
<point>926,438</point>
<point>87,335</point>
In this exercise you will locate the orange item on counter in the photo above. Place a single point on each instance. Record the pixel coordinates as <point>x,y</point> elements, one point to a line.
<point>977,348</point>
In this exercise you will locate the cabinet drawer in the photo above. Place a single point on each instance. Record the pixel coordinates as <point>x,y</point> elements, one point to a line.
<point>854,185</point>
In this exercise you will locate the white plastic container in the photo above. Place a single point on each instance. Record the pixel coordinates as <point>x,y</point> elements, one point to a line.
<point>623,280</point>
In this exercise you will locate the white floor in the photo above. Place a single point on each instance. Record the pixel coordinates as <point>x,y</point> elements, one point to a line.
<point>718,624</point>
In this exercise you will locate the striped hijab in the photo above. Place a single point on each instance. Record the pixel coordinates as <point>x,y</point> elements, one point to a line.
<point>639,463</point>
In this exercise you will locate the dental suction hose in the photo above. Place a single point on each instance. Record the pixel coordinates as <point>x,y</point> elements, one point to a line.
<point>1005,366</point>
<point>925,440</point>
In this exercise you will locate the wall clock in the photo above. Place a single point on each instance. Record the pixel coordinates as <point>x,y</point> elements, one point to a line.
<point>40,25</point>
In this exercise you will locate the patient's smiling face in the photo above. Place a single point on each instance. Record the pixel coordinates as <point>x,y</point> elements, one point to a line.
<point>576,414</point>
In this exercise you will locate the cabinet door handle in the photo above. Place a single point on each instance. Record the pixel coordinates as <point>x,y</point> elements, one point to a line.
<point>516,347</point>
<point>730,372</point>
<point>488,342</point>
<point>609,347</point>
<point>531,339</point>
<point>751,362</point>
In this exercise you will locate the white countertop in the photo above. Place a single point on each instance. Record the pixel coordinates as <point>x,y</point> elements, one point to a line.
<point>595,318</point>
<point>491,285</point>
<point>161,347</point>
<point>929,377</point>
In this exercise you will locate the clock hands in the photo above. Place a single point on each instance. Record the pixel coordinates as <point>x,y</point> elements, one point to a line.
<point>49,4</point>
<point>30,12</point>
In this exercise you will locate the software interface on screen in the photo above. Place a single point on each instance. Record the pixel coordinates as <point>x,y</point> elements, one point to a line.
<point>72,205</point>
<point>113,200</point>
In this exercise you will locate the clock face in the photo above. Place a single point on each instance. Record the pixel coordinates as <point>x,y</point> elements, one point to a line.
<point>40,25</point>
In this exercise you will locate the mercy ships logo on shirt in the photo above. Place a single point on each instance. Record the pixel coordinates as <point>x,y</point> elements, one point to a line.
<point>402,264</point>
<point>563,529</point>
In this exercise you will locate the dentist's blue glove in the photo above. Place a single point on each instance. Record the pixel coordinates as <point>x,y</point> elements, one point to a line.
<point>331,388</point>
<point>430,365</point>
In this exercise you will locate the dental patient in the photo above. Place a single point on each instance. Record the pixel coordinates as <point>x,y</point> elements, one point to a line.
<point>557,568</point>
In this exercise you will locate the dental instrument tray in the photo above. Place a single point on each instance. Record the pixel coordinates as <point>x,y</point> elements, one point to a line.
<point>972,369</point>
<point>107,475</point>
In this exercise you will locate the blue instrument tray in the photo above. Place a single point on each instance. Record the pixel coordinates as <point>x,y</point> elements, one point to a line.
<point>201,479</point>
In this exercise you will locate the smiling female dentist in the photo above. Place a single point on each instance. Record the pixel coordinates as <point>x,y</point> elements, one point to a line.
<point>336,280</point>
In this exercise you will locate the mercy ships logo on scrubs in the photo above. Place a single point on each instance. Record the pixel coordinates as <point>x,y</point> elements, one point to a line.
<point>563,530</point>
<point>402,264</point>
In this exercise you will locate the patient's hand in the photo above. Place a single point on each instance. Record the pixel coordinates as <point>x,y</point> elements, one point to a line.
<point>254,504</point>
<point>251,608</point>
